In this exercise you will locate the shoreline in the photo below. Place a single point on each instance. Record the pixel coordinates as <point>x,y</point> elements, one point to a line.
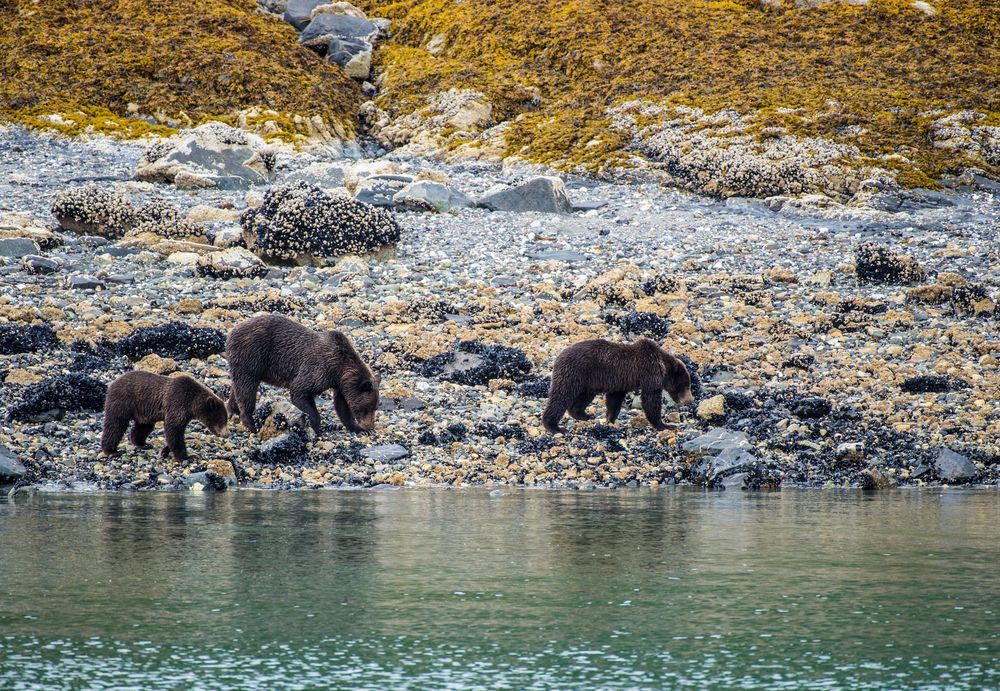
<point>761,296</point>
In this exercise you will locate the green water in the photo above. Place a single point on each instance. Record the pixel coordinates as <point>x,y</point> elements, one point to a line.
<point>534,589</point>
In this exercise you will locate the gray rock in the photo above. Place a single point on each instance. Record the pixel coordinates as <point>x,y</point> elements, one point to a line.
<point>380,190</point>
<point>337,26</point>
<point>557,255</point>
<point>120,279</point>
<point>234,262</point>
<point>211,155</point>
<point>733,482</point>
<point>544,194</point>
<point>954,467</point>
<point>86,283</point>
<point>209,480</point>
<point>354,55</point>
<point>589,205</point>
<point>35,264</point>
<point>15,248</point>
<point>386,453</point>
<point>728,462</point>
<point>463,362</point>
<point>11,469</point>
<point>324,175</point>
<point>718,439</point>
<point>297,12</point>
<point>426,195</point>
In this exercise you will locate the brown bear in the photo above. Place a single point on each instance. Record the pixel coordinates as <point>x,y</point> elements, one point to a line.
<point>275,350</point>
<point>597,366</point>
<point>146,398</point>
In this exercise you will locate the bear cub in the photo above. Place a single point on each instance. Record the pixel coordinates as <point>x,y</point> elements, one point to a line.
<point>586,369</point>
<point>145,398</point>
<point>275,350</point>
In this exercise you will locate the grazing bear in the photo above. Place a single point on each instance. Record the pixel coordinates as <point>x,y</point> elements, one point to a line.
<point>146,398</point>
<point>593,367</point>
<point>275,350</point>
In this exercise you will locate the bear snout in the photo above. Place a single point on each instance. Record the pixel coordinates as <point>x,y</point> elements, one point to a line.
<point>221,431</point>
<point>685,398</point>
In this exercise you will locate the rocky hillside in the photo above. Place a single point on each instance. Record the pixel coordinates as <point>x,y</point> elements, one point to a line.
<point>117,65</point>
<point>713,93</point>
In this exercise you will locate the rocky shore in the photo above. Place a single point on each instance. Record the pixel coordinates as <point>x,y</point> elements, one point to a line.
<point>834,344</point>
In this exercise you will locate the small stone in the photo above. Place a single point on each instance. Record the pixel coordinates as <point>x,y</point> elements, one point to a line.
<point>156,364</point>
<point>712,408</point>
<point>37,265</point>
<point>851,451</point>
<point>86,283</point>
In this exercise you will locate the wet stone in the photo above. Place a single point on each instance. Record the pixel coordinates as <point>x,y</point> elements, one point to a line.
<point>10,467</point>
<point>386,453</point>
<point>954,467</point>
<point>86,283</point>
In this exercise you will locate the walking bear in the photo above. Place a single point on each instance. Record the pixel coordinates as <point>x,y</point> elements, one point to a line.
<point>275,350</point>
<point>146,398</point>
<point>597,366</point>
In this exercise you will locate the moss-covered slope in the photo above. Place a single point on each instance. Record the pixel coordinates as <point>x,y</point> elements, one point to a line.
<point>88,61</point>
<point>868,76</point>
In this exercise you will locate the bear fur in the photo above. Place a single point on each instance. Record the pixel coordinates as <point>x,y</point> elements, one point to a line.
<point>146,398</point>
<point>275,350</point>
<point>586,369</point>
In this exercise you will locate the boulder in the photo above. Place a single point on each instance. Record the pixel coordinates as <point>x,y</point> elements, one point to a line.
<point>235,262</point>
<point>300,222</point>
<point>712,408</point>
<point>718,439</point>
<point>85,282</point>
<point>727,462</point>
<point>544,194</point>
<point>11,469</point>
<point>211,155</point>
<point>279,419</point>
<point>380,190</point>
<point>325,175</point>
<point>298,13</point>
<point>93,210</point>
<point>426,195</point>
<point>954,467</point>
<point>208,479</point>
<point>874,263</point>
<point>353,55</point>
<point>326,27</point>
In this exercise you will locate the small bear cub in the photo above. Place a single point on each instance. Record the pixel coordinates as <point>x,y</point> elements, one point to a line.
<point>145,398</point>
<point>588,368</point>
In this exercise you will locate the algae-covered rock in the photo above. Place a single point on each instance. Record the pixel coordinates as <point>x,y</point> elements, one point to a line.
<point>301,222</point>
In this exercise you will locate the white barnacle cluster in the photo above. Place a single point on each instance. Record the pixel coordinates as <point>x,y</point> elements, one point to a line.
<point>94,210</point>
<point>718,154</point>
<point>299,219</point>
<point>959,132</point>
<point>874,263</point>
<point>162,218</point>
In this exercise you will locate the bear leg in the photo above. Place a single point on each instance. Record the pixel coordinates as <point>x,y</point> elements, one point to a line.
<point>652,403</point>
<point>139,433</point>
<point>307,404</point>
<point>345,414</point>
<point>614,401</point>
<point>561,397</point>
<point>114,430</point>
<point>579,408</point>
<point>174,432</point>
<point>244,391</point>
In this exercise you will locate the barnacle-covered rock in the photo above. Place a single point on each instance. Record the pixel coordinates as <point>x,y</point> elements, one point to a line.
<point>211,155</point>
<point>173,339</point>
<point>52,398</point>
<point>93,210</point>
<point>874,263</point>
<point>26,339</point>
<point>475,363</point>
<point>235,262</point>
<point>301,222</point>
<point>164,220</point>
<point>972,298</point>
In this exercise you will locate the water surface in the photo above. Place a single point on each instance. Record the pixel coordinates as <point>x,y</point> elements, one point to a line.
<point>534,589</point>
